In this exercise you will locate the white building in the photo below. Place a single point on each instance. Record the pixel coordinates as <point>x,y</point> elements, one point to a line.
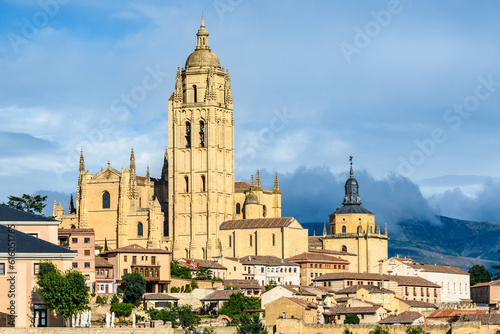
<point>268,269</point>
<point>454,282</point>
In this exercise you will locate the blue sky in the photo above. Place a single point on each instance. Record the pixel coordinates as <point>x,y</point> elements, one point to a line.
<point>410,89</point>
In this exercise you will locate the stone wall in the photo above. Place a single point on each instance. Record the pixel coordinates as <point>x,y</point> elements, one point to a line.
<point>178,282</point>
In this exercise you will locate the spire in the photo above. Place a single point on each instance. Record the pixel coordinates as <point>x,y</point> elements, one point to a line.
<point>378,228</point>
<point>351,189</point>
<point>276,183</point>
<point>202,34</point>
<point>257,180</point>
<point>178,92</point>
<point>324,229</point>
<point>251,181</point>
<point>164,170</point>
<point>71,205</point>
<point>147,174</point>
<point>314,233</point>
<point>132,160</point>
<point>228,97</point>
<point>385,229</point>
<point>82,162</point>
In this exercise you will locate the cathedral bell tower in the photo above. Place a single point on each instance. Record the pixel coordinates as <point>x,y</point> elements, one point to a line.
<point>200,154</point>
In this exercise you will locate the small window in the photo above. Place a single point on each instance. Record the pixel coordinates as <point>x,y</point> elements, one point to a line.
<point>188,133</point>
<point>125,271</point>
<point>75,265</point>
<point>153,260</point>
<point>87,277</point>
<point>106,202</point>
<point>33,234</point>
<point>74,240</point>
<point>125,257</point>
<point>250,240</point>
<point>202,134</point>
<point>134,259</point>
<point>186,181</point>
<point>73,227</point>
<point>36,268</point>
<point>87,252</point>
<point>139,230</point>
<point>264,212</point>
<point>87,265</point>
<point>87,240</point>
<point>230,243</point>
<point>97,272</point>
<point>203,183</point>
<point>344,248</point>
<point>274,240</point>
<point>344,229</point>
<point>238,208</point>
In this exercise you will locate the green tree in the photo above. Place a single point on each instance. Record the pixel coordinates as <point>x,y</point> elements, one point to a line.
<point>27,203</point>
<point>351,319</point>
<point>347,331</point>
<point>379,330</point>
<point>479,274</point>
<point>114,299</point>
<point>497,266</point>
<point>105,244</point>
<point>415,330</point>
<point>122,309</point>
<point>65,293</point>
<point>204,273</point>
<point>271,286</point>
<point>250,325</point>
<point>179,316</point>
<point>179,271</point>
<point>237,304</point>
<point>133,287</point>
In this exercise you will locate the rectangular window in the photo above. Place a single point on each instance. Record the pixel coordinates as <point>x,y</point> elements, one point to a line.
<point>124,258</point>
<point>33,234</point>
<point>87,240</point>
<point>75,264</point>
<point>87,265</point>
<point>97,272</point>
<point>107,273</point>
<point>134,259</point>
<point>87,276</point>
<point>125,271</point>
<point>153,260</point>
<point>87,252</point>
<point>74,240</point>
<point>250,240</point>
<point>36,268</point>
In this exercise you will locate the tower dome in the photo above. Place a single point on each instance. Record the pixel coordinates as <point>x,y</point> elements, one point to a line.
<point>202,55</point>
<point>251,198</point>
<point>351,189</point>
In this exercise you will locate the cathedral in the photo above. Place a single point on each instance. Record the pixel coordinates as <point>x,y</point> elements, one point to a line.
<point>196,209</point>
<point>182,211</point>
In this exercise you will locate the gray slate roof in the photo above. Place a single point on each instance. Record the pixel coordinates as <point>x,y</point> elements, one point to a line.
<point>26,243</point>
<point>8,214</point>
<point>351,208</point>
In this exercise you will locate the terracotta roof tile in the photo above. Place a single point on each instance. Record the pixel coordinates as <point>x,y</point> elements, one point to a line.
<point>491,283</point>
<point>369,288</point>
<point>412,281</point>
<point>159,296</point>
<point>301,302</point>
<point>327,251</point>
<point>135,248</point>
<point>102,263</point>
<point>195,264</point>
<point>353,276</point>
<point>406,317</point>
<point>453,315</point>
<point>355,310</point>
<point>317,257</point>
<point>219,295</point>
<point>437,269</point>
<point>256,223</point>
<point>243,283</point>
<point>417,303</point>
<point>242,185</point>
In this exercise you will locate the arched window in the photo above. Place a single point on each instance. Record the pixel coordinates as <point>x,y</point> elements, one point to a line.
<point>344,229</point>
<point>73,226</point>
<point>238,208</point>
<point>188,135</point>
<point>106,200</point>
<point>140,230</point>
<point>264,211</point>
<point>186,181</point>
<point>274,240</point>
<point>344,248</point>
<point>195,92</point>
<point>202,134</point>
<point>203,184</point>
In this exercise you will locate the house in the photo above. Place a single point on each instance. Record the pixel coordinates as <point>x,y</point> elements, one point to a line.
<point>292,308</point>
<point>269,269</point>
<point>250,288</point>
<point>415,306</point>
<point>337,281</point>
<point>213,302</point>
<point>366,314</point>
<point>415,288</point>
<point>82,241</point>
<point>195,265</point>
<point>405,318</point>
<point>234,267</point>
<point>486,293</point>
<point>315,264</point>
<point>153,264</point>
<point>369,293</point>
<point>20,256</point>
<point>104,276</point>
<point>159,300</point>
<point>37,226</point>
<point>454,282</point>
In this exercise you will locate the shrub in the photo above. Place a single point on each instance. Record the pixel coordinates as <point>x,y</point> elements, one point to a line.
<point>379,330</point>
<point>101,300</point>
<point>347,331</point>
<point>415,330</point>
<point>122,309</point>
<point>351,319</point>
<point>114,299</point>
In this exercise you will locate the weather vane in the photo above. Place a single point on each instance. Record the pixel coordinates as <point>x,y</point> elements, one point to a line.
<point>350,159</point>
